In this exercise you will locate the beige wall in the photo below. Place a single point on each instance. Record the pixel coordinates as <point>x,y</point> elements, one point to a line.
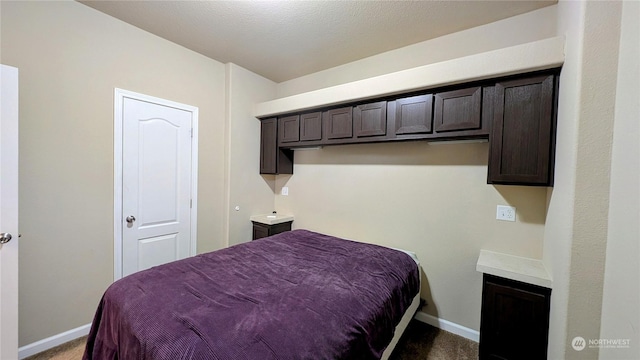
<point>251,192</point>
<point>594,139</point>
<point>622,268</point>
<point>558,227</point>
<point>71,58</point>
<point>431,199</point>
<point>577,221</point>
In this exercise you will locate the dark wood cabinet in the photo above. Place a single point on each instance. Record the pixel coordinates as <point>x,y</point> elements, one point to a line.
<point>289,129</point>
<point>516,113</point>
<point>338,123</point>
<point>522,133</point>
<point>370,119</point>
<point>311,126</point>
<point>268,145</point>
<point>514,320</point>
<point>412,115</point>
<point>261,230</point>
<point>273,159</point>
<point>458,110</point>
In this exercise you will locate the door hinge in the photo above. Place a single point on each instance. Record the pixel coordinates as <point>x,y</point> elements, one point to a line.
<point>191,132</point>
<point>190,203</point>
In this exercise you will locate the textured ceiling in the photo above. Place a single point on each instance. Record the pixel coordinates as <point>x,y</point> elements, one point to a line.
<point>281,40</point>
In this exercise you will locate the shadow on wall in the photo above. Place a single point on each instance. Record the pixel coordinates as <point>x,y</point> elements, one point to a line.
<point>429,305</point>
<point>270,180</point>
<point>398,153</point>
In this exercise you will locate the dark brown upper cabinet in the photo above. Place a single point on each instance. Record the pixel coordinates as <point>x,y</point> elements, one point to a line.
<point>458,110</point>
<point>370,119</point>
<point>268,145</point>
<point>522,133</point>
<point>311,126</point>
<point>338,123</point>
<point>273,160</point>
<point>413,115</point>
<point>517,114</point>
<point>289,129</point>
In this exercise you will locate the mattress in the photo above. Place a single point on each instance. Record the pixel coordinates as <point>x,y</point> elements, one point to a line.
<point>295,295</point>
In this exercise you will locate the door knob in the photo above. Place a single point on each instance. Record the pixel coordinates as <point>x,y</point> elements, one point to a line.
<point>5,238</point>
<point>130,219</point>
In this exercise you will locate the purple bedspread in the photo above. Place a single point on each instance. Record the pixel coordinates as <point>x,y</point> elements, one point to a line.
<point>295,295</point>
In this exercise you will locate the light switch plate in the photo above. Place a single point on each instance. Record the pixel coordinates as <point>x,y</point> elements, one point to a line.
<point>506,213</point>
<point>285,191</point>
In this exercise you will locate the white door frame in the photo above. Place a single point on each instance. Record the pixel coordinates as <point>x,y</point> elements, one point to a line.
<point>118,119</point>
<point>9,212</point>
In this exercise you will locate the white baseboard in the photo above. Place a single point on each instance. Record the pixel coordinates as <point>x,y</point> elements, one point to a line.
<point>449,326</point>
<point>53,341</point>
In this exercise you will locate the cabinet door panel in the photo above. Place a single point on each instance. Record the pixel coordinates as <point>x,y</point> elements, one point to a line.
<point>515,320</point>
<point>311,126</point>
<point>413,114</point>
<point>338,123</point>
<point>370,119</point>
<point>268,145</point>
<point>458,110</point>
<point>273,160</point>
<point>289,129</point>
<point>260,231</point>
<point>520,138</point>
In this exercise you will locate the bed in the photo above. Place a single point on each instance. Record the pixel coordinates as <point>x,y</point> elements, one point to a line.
<point>295,295</point>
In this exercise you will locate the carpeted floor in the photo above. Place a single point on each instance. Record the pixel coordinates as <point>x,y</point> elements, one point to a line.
<point>72,350</point>
<point>425,342</point>
<point>419,342</point>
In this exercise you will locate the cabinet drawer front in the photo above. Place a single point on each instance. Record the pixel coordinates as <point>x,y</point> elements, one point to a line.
<point>458,110</point>
<point>311,126</point>
<point>338,123</point>
<point>413,114</point>
<point>289,129</point>
<point>370,119</point>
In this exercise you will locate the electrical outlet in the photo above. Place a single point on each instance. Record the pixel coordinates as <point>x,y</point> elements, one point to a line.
<point>506,213</point>
<point>285,191</point>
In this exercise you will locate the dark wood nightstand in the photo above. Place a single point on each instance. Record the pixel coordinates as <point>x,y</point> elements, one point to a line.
<point>515,319</point>
<point>516,298</point>
<point>267,225</point>
<point>262,230</point>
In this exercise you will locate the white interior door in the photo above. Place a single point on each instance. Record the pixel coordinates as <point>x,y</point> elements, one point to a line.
<point>9,213</point>
<point>157,182</point>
